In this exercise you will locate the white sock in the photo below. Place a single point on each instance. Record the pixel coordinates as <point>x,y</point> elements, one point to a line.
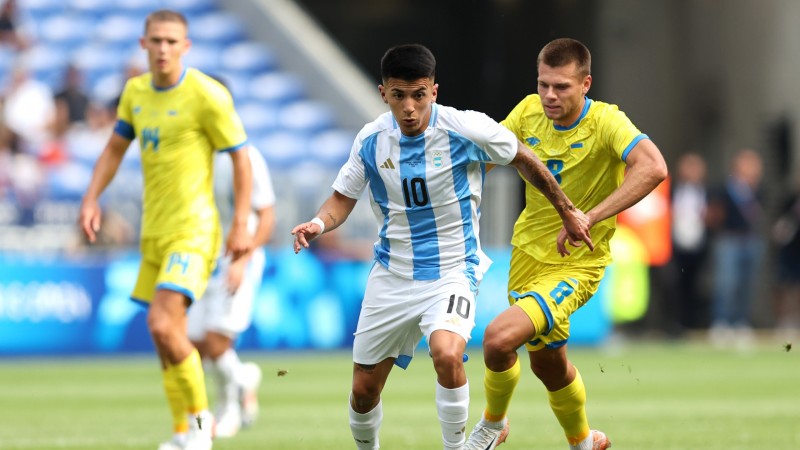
<point>227,366</point>
<point>453,408</point>
<point>365,427</point>
<point>585,444</point>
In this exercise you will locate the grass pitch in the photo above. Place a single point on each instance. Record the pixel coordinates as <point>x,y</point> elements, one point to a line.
<point>674,396</point>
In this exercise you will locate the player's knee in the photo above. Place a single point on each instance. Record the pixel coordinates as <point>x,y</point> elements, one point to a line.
<point>448,360</point>
<point>497,342</point>
<point>161,328</point>
<point>365,396</point>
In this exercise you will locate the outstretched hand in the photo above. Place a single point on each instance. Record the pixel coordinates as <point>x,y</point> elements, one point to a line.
<point>303,234</point>
<point>575,231</point>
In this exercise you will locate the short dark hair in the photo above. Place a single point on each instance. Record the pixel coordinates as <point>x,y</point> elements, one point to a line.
<point>408,62</point>
<point>562,52</point>
<point>165,15</point>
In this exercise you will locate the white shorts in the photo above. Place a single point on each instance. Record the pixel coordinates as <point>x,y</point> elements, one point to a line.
<point>220,312</point>
<point>396,312</point>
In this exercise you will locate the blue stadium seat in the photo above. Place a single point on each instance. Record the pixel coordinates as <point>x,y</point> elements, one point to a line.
<point>283,149</point>
<point>249,58</point>
<point>332,147</point>
<point>276,87</point>
<point>204,56</point>
<point>68,181</point>
<point>235,81</point>
<point>47,63</point>
<point>258,118</point>
<point>218,28</point>
<point>119,29</point>
<point>191,8</point>
<point>96,9</point>
<point>308,116</point>
<point>66,30</point>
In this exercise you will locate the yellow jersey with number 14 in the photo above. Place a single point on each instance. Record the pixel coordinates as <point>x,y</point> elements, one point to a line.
<point>178,129</point>
<point>587,159</point>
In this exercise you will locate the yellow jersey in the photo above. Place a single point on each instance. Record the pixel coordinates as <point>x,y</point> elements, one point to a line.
<point>178,129</point>
<point>587,159</point>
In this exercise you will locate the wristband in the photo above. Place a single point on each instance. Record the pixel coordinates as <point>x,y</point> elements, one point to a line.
<point>320,223</point>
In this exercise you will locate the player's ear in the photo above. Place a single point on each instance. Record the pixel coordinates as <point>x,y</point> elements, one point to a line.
<point>435,91</point>
<point>587,84</point>
<point>382,90</point>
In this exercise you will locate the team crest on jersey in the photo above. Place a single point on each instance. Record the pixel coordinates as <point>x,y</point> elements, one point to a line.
<point>437,159</point>
<point>532,141</point>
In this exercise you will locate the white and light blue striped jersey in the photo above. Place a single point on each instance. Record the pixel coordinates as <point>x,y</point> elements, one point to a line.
<point>425,190</point>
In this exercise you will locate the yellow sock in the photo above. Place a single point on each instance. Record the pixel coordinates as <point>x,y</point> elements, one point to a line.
<point>569,406</point>
<point>190,380</point>
<point>175,399</point>
<point>499,387</point>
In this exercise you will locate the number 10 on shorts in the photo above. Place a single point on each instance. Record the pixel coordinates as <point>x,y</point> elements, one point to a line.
<point>461,304</point>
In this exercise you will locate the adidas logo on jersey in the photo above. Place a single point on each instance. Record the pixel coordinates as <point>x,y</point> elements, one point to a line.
<point>388,164</point>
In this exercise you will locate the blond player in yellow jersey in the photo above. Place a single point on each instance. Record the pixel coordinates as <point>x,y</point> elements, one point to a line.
<point>604,164</point>
<point>180,118</point>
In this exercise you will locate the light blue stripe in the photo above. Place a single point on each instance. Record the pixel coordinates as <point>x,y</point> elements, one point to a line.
<point>460,151</point>
<point>378,190</point>
<point>125,130</point>
<point>143,303</point>
<point>633,144</point>
<point>161,89</point>
<point>542,304</point>
<point>421,219</point>
<point>179,289</point>
<point>234,148</point>
<point>434,115</point>
<point>583,114</point>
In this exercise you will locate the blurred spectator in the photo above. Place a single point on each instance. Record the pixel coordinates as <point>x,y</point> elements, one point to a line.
<point>689,236</point>
<point>29,109</point>
<point>85,140</point>
<point>71,101</point>
<point>736,214</point>
<point>786,235</point>
<point>9,31</point>
<point>21,176</point>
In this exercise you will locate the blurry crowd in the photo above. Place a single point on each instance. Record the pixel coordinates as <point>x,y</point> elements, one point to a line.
<point>49,139</point>
<point>732,258</point>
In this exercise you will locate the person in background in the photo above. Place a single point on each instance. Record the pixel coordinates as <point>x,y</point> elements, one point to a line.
<point>225,311</point>
<point>737,218</point>
<point>181,118</point>
<point>689,236</point>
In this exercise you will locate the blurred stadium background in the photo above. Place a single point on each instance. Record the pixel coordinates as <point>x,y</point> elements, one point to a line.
<point>701,76</point>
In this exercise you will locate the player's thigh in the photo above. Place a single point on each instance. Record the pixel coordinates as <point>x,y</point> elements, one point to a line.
<point>385,327</point>
<point>149,267</point>
<point>555,291</point>
<point>448,304</point>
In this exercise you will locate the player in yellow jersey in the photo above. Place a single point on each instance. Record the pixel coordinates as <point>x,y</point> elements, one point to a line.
<point>604,164</point>
<point>180,118</point>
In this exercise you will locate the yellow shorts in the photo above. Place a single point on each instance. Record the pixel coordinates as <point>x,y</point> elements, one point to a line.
<point>556,290</point>
<point>180,262</point>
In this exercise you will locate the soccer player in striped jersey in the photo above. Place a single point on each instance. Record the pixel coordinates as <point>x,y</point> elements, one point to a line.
<point>424,166</point>
<point>606,164</point>
<point>181,118</point>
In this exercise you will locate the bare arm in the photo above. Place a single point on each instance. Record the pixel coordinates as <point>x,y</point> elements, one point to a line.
<point>646,170</point>
<point>333,213</point>
<point>535,172</point>
<point>239,241</point>
<point>263,234</point>
<point>104,171</point>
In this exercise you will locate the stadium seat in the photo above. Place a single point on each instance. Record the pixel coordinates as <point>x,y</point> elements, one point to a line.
<point>249,58</point>
<point>191,8</point>
<point>204,56</point>
<point>276,87</point>
<point>258,119</point>
<point>97,9</point>
<point>66,30</point>
<point>283,149</point>
<point>119,29</point>
<point>331,147</point>
<point>218,28</point>
<point>307,116</point>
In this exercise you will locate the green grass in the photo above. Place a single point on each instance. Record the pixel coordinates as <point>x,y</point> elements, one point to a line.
<point>647,396</point>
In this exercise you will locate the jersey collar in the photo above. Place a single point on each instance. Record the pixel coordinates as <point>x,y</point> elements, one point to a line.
<point>586,106</point>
